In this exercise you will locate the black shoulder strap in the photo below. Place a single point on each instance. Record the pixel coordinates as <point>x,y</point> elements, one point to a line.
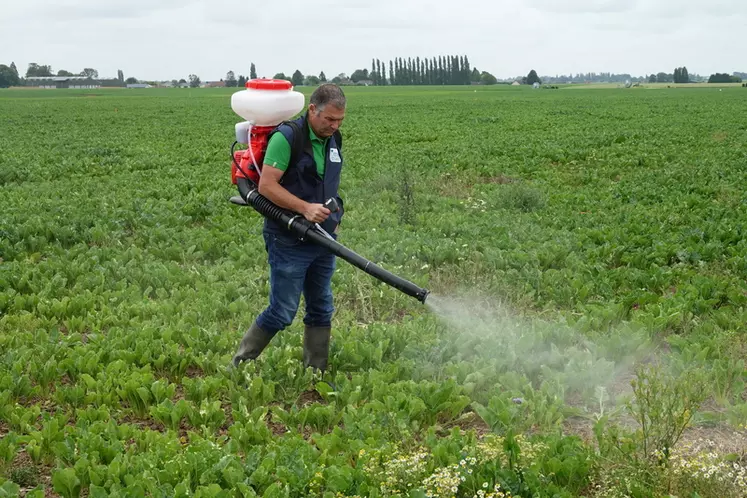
<point>338,139</point>
<point>297,144</point>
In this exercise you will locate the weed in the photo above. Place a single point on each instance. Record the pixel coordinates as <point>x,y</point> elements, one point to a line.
<point>27,476</point>
<point>636,463</point>
<point>523,198</point>
<point>664,407</point>
<point>406,198</point>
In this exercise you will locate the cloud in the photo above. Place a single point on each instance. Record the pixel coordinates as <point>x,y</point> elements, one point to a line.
<point>583,6</point>
<point>693,8</point>
<point>83,10</point>
<point>165,39</point>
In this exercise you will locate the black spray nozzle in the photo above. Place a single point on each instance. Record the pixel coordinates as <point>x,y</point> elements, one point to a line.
<point>332,205</point>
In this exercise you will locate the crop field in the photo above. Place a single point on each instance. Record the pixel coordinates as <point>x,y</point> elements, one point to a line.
<point>586,250</point>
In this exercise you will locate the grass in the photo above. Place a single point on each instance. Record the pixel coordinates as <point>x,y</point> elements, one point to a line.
<point>568,236</point>
<point>653,86</point>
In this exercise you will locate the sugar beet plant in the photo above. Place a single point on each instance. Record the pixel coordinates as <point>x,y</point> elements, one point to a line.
<point>568,236</point>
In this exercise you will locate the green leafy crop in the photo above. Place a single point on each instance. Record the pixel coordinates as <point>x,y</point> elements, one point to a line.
<point>568,237</point>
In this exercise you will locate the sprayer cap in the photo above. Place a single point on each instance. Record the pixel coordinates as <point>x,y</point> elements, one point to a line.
<point>268,84</point>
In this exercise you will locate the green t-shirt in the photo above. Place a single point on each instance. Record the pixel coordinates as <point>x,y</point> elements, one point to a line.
<point>278,151</point>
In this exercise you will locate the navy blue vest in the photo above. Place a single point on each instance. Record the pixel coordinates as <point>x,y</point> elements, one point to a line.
<point>302,179</point>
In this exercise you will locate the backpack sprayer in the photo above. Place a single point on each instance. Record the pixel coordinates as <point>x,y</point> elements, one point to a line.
<point>265,104</point>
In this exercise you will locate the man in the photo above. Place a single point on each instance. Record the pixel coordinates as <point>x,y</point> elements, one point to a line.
<point>301,185</point>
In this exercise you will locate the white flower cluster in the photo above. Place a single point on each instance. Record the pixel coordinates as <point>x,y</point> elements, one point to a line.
<point>699,461</point>
<point>444,482</point>
<point>491,448</point>
<point>401,472</point>
<point>496,493</point>
<point>478,204</point>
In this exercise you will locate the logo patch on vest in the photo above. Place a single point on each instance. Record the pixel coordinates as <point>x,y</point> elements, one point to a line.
<point>334,155</point>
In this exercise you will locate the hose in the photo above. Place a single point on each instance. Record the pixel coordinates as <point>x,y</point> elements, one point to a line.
<point>258,167</point>
<point>305,230</point>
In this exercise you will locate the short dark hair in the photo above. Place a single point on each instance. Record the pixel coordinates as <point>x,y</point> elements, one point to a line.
<point>328,93</point>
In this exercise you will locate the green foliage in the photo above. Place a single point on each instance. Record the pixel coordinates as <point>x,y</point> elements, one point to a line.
<point>9,489</point>
<point>407,205</point>
<point>532,78</point>
<point>66,483</point>
<point>664,406</point>
<point>681,75</point>
<point>523,198</point>
<point>582,230</point>
<point>27,476</point>
<point>724,78</point>
<point>297,78</point>
<point>487,78</point>
<point>8,76</point>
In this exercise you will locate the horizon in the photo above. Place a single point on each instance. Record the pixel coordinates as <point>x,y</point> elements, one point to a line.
<point>162,40</point>
<point>329,76</point>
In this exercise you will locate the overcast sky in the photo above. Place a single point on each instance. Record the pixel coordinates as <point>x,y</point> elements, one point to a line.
<point>167,39</point>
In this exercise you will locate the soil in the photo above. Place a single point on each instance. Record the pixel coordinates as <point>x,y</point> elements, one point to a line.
<point>193,371</point>
<point>309,397</point>
<point>277,428</point>
<point>469,421</point>
<point>500,180</point>
<point>723,440</point>
<point>143,423</point>
<point>40,474</point>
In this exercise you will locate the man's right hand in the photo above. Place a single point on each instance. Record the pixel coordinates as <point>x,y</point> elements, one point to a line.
<point>269,186</point>
<point>315,213</point>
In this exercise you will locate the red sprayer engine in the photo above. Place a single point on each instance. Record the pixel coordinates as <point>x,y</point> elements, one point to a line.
<point>242,159</point>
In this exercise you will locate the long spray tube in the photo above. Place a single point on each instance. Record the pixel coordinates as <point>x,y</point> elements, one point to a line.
<point>306,230</point>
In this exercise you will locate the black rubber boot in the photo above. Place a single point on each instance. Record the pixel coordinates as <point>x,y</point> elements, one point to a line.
<point>316,347</point>
<point>252,344</point>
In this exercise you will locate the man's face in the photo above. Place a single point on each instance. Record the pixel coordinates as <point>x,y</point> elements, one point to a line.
<point>325,122</point>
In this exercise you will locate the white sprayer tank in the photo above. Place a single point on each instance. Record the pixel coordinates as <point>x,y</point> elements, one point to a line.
<point>267,102</point>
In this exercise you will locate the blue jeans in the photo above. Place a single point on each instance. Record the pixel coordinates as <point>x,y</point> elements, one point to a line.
<point>297,267</point>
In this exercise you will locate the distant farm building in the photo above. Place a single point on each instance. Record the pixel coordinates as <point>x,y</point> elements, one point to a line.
<point>138,85</point>
<point>515,83</point>
<point>62,82</point>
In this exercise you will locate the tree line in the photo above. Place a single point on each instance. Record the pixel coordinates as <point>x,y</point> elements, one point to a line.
<point>37,70</point>
<point>440,70</point>
<point>724,78</point>
<point>435,71</point>
<point>9,75</point>
<point>231,79</point>
<point>681,75</point>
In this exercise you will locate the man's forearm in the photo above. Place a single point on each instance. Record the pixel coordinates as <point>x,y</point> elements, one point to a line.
<point>278,195</point>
